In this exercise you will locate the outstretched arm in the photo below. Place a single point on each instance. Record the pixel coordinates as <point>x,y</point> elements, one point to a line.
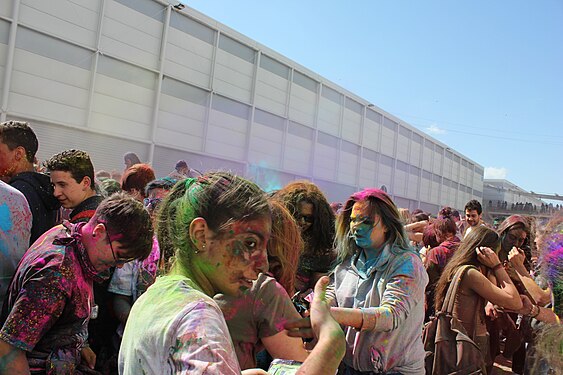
<point>331,345</point>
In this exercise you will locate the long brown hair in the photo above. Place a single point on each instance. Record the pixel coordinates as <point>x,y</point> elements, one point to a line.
<point>319,238</point>
<point>465,255</point>
<point>284,247</point>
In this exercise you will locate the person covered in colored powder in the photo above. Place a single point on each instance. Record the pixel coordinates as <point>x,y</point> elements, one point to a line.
<point>217,227</point>
<point>18,146</point>
<point>50,299</point>
<point>256,319</point>
<point>312,212</point>
<point>378,288</point>
<point>437,257</point>
<point>15,229</point>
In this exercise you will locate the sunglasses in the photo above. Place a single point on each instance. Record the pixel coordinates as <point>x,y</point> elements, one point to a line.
<point>306,218</point>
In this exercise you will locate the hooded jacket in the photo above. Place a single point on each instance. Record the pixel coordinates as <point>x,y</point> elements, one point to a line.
<point>36,187</point>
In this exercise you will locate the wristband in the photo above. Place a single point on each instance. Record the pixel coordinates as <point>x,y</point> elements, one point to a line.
<point>497,267</point>
<point>535,311</point>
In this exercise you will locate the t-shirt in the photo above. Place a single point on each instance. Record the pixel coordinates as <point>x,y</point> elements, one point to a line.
<point>15,229</point>
<point>50,298</point>
<point>262,312</point>
<point>135,277</point>
<point>174,328</point>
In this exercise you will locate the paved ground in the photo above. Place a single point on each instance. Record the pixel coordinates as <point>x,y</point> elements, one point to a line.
<point>502,366</point>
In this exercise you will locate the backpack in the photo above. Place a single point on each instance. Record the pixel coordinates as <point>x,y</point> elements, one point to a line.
<point>448,347</point>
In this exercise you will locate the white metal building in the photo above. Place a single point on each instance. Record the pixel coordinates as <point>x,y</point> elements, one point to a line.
<point>111,76</point>
<point>500,190</point>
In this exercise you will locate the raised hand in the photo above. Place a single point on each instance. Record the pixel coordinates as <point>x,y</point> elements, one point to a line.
<point>487,257</point>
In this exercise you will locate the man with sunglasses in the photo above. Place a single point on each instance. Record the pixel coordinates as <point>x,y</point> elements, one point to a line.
<point>45,316</point>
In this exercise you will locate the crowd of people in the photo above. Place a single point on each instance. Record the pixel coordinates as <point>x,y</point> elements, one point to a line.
<point>544,208</point>
<point>127,273</point>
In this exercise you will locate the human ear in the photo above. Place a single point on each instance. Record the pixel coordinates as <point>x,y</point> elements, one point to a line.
<point>86,182</point>
<point>99,230</point>
<point>198,230</point>
<point>20,153</point>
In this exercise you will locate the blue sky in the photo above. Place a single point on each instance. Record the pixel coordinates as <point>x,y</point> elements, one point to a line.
<point>484,77</point>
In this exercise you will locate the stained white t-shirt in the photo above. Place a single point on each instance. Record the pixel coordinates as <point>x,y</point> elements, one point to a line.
<point>174,328</point>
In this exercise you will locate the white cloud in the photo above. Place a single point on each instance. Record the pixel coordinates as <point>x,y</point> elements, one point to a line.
<point>496,173</point>
<point>434,129</point>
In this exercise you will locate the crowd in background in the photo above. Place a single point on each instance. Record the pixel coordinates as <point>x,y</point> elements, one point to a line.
<point>204,272</point>
<point>544,208</point>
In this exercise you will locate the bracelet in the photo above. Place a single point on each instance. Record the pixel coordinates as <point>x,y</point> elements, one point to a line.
<point>497,267</point>
<point>534,312</point>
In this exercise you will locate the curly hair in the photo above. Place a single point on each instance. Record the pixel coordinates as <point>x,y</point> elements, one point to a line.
<point>77,162</point>
<point>19,133</point>
<point>285,246</point>
<point>319,238</point>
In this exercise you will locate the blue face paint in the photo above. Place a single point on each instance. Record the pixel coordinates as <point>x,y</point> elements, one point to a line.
<point>362,235</point>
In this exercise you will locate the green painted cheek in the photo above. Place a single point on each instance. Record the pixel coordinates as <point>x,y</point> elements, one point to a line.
<point>238,248</point>
<point>206,267</point>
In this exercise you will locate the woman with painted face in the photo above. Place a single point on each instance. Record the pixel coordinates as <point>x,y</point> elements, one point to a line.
<point>214,231</point>
<point>315,218</point>
<point>256,319</point>
<point>378,288</point>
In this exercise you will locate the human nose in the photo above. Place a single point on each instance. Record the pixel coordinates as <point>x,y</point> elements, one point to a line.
<point>260,261</point>
<point>355,225</point>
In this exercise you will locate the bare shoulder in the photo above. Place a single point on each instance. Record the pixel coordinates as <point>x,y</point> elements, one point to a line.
<point>474,279</point>
<point>473,274</point>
